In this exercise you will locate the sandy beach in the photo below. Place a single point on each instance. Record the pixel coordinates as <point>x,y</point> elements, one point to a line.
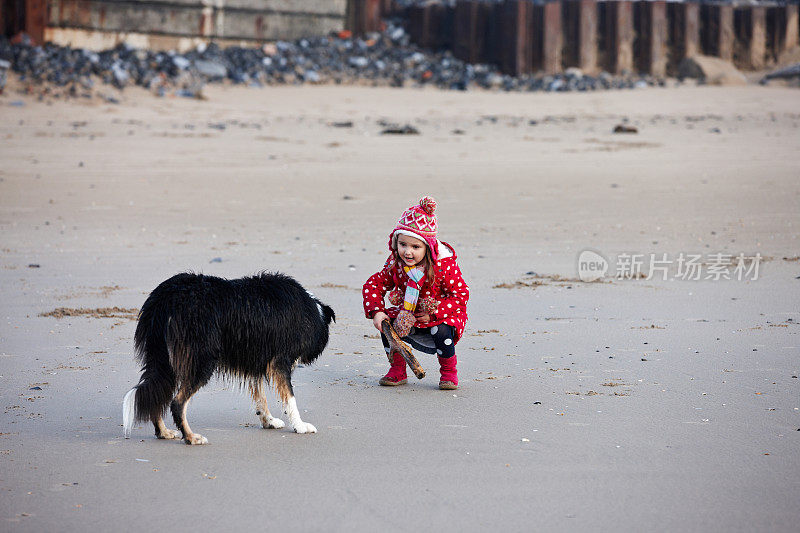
<point>629,404</point>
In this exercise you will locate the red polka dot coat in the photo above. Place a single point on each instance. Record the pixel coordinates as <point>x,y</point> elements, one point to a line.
<point>449,289</point>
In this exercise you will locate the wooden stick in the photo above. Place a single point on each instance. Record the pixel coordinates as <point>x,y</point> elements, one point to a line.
<point>398,346</point>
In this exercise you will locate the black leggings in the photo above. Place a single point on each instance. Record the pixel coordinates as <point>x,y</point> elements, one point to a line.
<point>443,338</point>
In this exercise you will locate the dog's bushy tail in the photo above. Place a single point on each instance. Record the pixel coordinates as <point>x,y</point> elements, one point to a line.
<point>328,313</point>
<point>157,386</point>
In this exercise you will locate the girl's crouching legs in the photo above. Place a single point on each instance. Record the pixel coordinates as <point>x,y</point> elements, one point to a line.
<point>397,372</point>
<point>447,369</point>
<point>443,337</point>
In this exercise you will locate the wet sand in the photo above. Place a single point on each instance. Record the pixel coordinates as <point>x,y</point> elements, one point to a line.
<point>627,405</point>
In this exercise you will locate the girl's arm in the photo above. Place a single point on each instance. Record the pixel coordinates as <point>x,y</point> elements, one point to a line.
<point>375,288</point>
<point>454,294</point>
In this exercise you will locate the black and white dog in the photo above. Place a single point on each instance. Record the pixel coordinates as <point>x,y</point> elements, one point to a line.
<point>254,330</point>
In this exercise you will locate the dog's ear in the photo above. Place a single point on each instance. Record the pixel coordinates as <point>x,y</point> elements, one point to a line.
<point>328,313</point>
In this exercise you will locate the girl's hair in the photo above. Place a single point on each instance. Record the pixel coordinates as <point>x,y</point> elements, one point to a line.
<point>427,265</point>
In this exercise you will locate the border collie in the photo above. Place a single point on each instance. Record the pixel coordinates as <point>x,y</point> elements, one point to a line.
<point>254,330</point>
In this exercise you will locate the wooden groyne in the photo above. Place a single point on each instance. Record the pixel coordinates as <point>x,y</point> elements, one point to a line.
<point>653,36</point>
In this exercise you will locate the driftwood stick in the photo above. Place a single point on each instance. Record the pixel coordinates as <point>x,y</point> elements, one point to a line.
<point>398,346</point>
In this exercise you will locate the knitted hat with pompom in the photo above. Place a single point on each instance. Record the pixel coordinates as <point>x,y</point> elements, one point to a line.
<point>418,221</point>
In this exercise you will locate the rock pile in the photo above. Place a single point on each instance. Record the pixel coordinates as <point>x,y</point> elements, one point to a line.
<point>381,59</point>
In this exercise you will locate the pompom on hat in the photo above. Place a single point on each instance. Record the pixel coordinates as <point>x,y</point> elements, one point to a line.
<point>419,221</point>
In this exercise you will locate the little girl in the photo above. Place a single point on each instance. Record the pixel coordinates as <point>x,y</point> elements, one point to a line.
<point>428,295</point>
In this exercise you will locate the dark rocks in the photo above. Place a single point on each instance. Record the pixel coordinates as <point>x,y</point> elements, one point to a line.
<point>378,59</point>
<point>407,129</point>
<point>625,128</point>
<point>212,70</point>
<point>4,66</point>
<point>792,71</point>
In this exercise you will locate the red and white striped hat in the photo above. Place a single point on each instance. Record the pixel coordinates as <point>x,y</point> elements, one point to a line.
<point>418,221</point>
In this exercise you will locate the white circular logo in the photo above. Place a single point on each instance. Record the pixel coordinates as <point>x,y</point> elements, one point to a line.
<point>591,266</point>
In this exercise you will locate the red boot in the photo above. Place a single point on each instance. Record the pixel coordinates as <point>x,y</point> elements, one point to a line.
<point>447,368</point>
<point>397,373</point>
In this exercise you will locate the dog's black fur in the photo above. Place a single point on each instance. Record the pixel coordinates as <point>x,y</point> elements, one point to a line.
<point>253,329</point>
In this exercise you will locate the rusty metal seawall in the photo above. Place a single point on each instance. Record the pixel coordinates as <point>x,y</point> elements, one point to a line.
<point>165,23</point>
<point>648,36</point>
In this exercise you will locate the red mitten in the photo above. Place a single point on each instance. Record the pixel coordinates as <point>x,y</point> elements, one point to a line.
<point>396,298</point>
<point>428,305</point>
<point>404,322</point>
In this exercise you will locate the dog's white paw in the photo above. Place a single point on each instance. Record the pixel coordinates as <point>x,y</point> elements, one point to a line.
<point>272,423</point>
<point>304,427</point>
<point>169,434</point>
<point>196,439</point>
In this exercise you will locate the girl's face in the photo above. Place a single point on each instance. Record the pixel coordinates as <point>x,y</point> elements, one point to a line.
<point>410,250</point>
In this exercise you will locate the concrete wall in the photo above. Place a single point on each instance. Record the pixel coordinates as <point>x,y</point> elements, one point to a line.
<point>182,23</point>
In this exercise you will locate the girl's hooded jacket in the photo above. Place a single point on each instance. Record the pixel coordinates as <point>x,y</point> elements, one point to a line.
<point>449,289</point>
